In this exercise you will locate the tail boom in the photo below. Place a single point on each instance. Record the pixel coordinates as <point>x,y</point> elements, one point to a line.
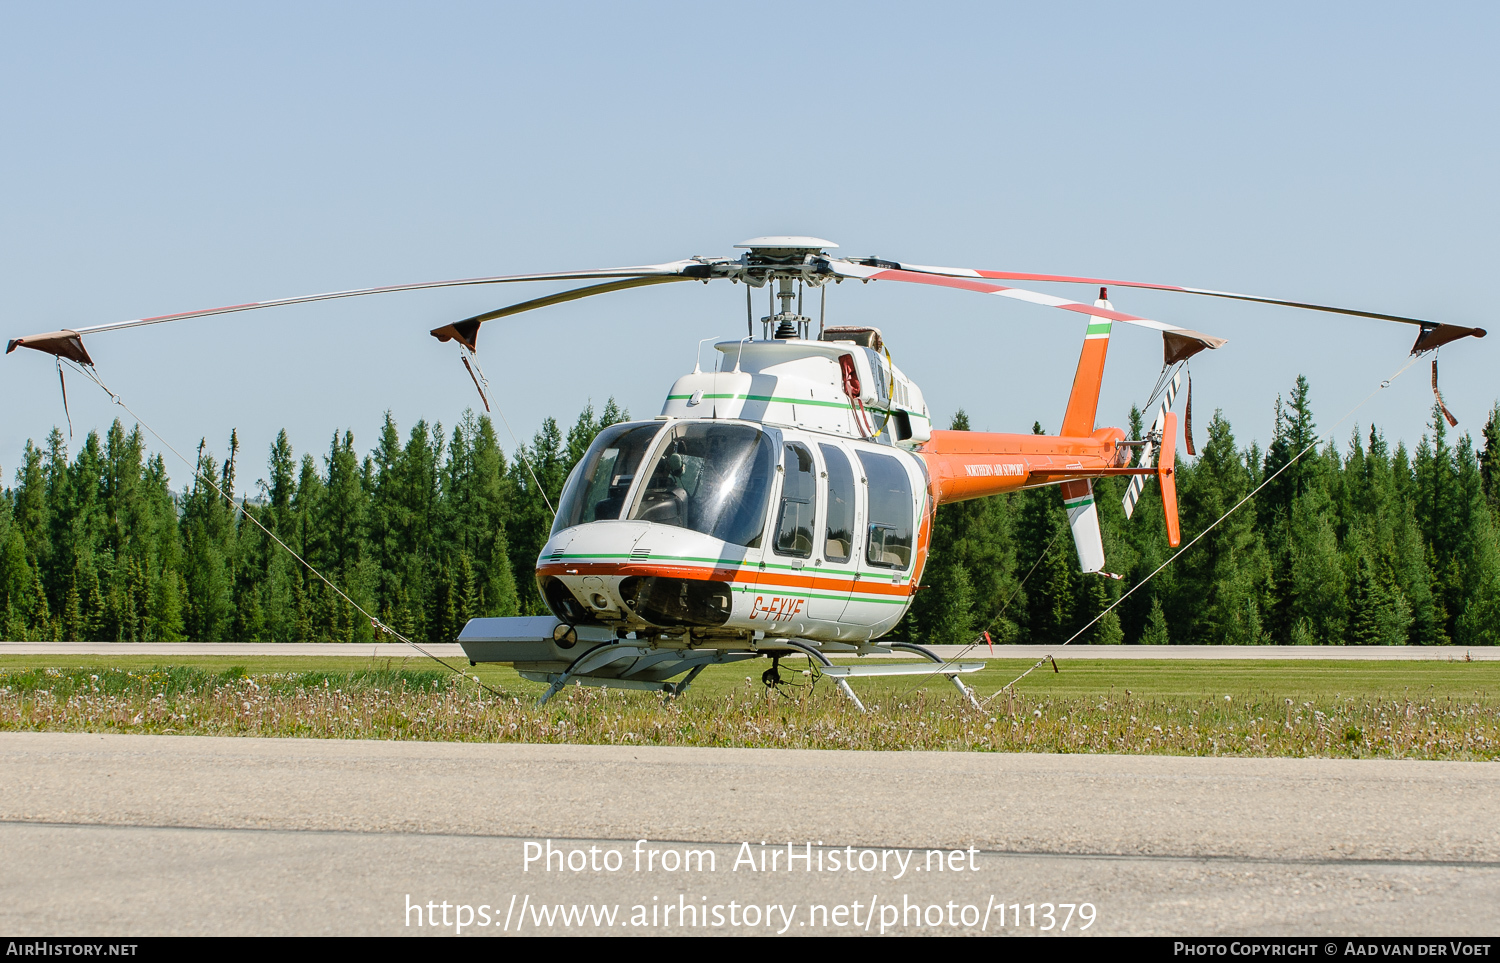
<point>976,464</point>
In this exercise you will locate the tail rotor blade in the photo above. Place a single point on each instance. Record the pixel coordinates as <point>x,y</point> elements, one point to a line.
<point>1138,482</point>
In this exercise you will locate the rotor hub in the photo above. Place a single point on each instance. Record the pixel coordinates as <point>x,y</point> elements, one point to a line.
<point>782,257</point>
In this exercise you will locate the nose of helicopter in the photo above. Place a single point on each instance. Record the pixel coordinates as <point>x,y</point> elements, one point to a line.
<point>631,573</point>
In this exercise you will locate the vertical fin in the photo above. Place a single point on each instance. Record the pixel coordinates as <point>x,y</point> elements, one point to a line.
<point>1166,473</point>
<point>1083,401</point>
<point>1083,519</point>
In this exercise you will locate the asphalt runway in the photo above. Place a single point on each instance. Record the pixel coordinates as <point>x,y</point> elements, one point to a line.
<point>158,835</point>
<point>396,650</point>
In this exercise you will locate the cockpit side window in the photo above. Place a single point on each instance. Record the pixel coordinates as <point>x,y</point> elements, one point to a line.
<point>597,488</point>
<point>799,485</point>
<point>713,479</point>
<point>890,533</point>
<point>838,540</point>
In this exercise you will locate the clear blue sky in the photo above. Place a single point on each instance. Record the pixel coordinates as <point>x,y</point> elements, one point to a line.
<point>165,157</point>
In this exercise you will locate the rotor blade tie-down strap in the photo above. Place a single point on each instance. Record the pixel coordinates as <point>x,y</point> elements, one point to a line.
<point>64,385</point>
<point>1452,421</point>
<point>475,378</point>
<point>481,382</point>
<point>1187,417</point>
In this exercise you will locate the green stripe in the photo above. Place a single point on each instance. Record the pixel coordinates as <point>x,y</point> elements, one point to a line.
<point>1081,503</point>
<point>791,401</point>
<point>769,398</point>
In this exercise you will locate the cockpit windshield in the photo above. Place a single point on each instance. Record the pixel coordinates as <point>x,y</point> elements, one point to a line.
<point>598,487</point>
<point>713,479</point>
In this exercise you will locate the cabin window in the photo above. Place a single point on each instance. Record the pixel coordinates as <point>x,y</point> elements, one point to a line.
<point>838,538</point>
<point>901,424</point>
<point>713,479</point>
<point>799,485</point>
<point>889,540</point>
<point>597,488</point>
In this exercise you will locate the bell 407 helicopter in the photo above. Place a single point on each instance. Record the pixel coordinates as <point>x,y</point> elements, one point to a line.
<point>783,501</point>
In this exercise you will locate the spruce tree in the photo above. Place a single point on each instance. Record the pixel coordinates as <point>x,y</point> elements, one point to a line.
<point>1489,460</point>
<point>1224,575</point>
<point>1155,632</point>
<point>1476,556</point>
<point>498,596</point>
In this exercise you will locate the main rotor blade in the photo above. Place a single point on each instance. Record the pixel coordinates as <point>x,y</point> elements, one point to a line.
<point>68,347</point>
<point>674,270</point>
<point>1433,333</point>
<point>466,332</point>
<point>885,271</point>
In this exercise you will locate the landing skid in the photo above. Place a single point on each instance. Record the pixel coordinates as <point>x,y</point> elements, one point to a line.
<point>614,665</point>
<point>529,643</point>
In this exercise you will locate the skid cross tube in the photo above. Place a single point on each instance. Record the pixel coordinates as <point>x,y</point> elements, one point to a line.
<point>812,653</point>
<point>577,668</point>
<point>675,689</point>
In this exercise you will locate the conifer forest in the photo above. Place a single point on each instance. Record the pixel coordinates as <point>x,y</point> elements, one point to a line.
<point>1363,543</point>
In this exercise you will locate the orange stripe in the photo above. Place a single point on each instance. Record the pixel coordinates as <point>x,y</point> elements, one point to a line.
<point>739,576</point>
<point>864,586</point>
<point>636,568</point>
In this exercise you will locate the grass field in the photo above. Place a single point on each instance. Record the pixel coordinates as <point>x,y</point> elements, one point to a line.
<point>1426,710</point>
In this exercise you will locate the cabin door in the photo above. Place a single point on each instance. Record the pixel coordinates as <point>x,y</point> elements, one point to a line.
<point>887,539</point>
<point>831,573</point>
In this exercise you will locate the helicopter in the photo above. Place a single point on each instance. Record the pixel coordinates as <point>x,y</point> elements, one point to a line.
<point>782,503</point>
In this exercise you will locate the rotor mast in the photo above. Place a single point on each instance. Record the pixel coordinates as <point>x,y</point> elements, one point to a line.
<point>793,262</point>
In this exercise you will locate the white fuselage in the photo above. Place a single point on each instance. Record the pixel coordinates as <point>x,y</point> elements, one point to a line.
<point>757,505</point>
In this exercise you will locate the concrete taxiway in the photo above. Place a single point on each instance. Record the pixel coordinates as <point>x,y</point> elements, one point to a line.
<point>148,835</point>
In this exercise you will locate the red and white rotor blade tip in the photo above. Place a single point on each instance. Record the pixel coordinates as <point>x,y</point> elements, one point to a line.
<point>954,278</point>
<point>1433,333</point>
